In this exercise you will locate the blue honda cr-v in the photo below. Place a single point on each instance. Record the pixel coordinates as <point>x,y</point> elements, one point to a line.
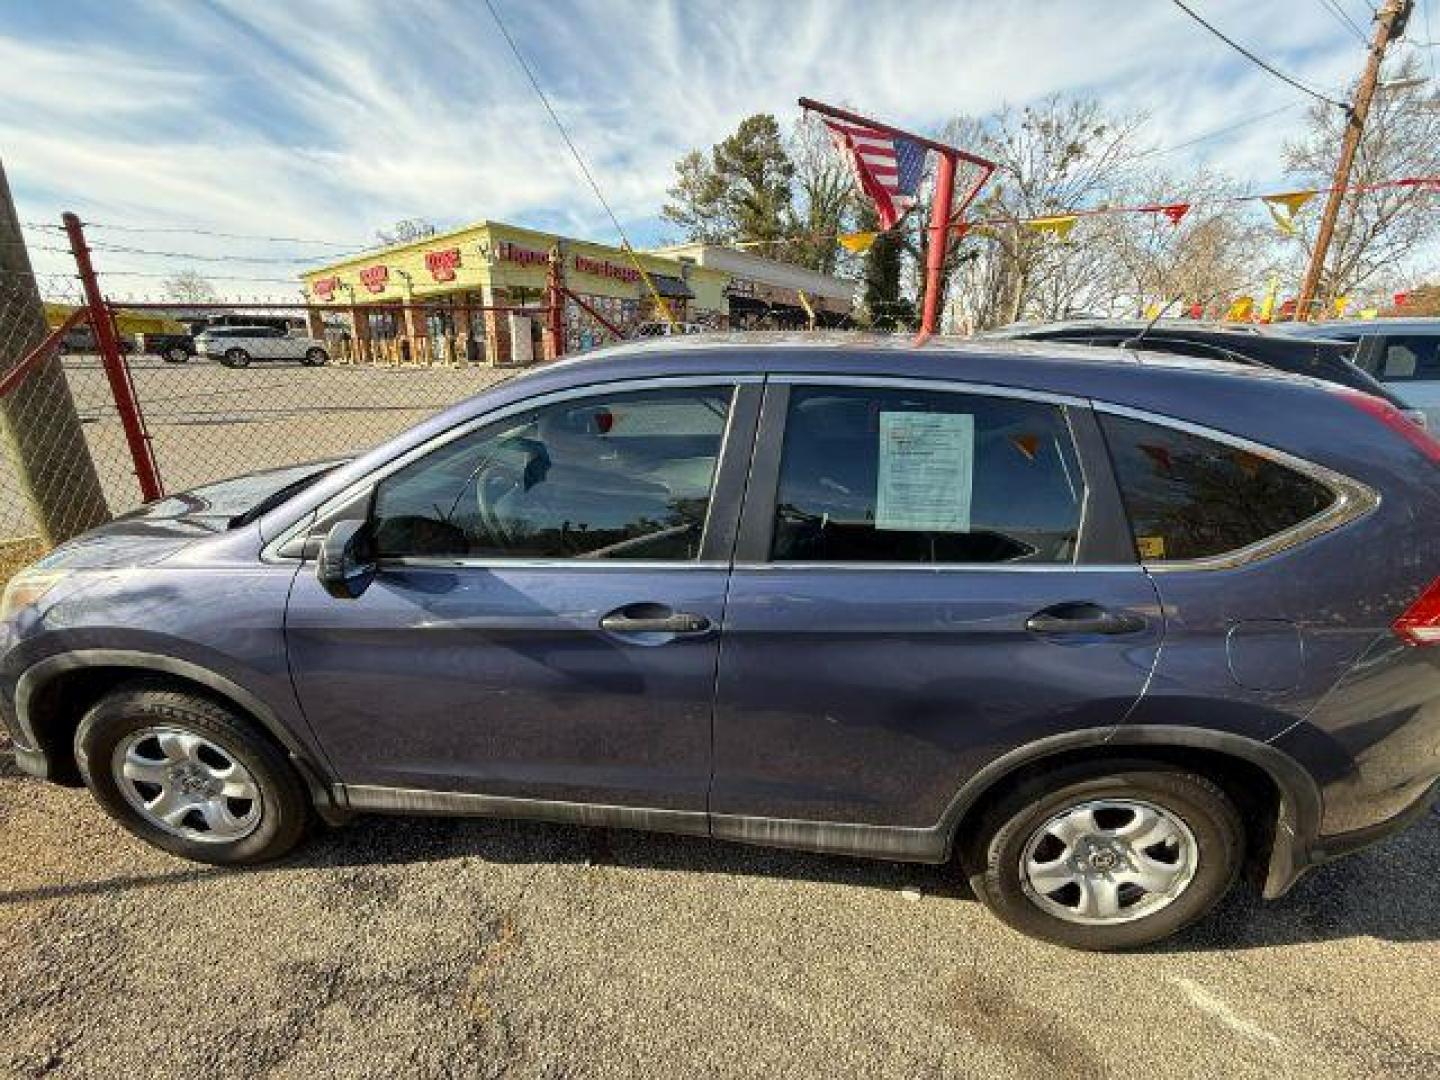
<point>1107,629</point>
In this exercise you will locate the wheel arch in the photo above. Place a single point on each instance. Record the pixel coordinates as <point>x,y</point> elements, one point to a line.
<point>53,695</point>
<point>1279,800</point>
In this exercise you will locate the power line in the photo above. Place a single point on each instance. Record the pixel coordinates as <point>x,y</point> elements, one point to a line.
<point>580,161</point>
<point>1344,17</point>
<point>1258,61</point>
<point>1215,134</point>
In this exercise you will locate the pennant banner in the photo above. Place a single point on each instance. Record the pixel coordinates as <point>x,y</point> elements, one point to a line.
<point>858,242</point>
<point>1283,208</point>
<point>1059,227</point>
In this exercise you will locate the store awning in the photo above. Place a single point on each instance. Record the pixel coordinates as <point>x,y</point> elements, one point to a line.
<point>671,288</point>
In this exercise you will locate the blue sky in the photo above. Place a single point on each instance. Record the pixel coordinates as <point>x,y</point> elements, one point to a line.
<point>328,119</point>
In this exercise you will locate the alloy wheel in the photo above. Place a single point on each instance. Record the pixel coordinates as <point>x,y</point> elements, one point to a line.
<point>187,785</point>
<point>1108,861</point>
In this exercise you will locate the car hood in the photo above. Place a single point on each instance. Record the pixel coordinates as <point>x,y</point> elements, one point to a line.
<point>159,529</point>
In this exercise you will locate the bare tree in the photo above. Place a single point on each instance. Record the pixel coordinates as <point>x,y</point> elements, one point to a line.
<point>1209,256</point>
<point>1053,157</point>
<point>406,231</point>
<point>1376,230</point>
<point>188,287</point>
<point>825,196</point>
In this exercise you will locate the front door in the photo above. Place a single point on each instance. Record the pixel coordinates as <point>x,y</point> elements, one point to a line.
<point>926,578</point>
<point>545,622</point>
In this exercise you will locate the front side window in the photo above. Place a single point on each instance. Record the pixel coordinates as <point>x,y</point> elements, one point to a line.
<point>920,476</point>
<point>1190,497</point>
<point>625,476</point>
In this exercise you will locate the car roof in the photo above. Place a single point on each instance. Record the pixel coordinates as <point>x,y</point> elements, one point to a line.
<point>1361,327</point>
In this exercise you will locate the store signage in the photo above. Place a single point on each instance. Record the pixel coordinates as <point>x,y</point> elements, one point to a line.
<point>602,268</point>
<point>509,252</point>
<point>375,278</point>
<point>443,264</point>
<point>325,288</point>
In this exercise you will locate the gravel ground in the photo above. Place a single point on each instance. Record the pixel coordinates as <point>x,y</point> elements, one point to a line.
<point>409,947</point>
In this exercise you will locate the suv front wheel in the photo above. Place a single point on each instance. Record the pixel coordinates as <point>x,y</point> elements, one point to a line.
<point>189,776</point>
<point>1107,855</point>
<point>236,358</point>
<point>315,357</point>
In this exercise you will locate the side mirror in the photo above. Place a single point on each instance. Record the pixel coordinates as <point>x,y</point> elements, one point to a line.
<point>347,560</point>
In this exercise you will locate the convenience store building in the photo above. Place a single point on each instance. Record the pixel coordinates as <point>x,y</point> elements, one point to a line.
<point>436,299</point>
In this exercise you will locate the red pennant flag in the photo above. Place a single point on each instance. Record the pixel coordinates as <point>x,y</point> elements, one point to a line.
<point>1175,211</point>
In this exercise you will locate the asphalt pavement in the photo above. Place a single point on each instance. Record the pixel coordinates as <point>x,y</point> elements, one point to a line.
<point>459,948</point>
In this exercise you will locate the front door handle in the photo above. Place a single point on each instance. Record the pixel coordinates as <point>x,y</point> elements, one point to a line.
<point>1083,619</point>
<point>645,619</point>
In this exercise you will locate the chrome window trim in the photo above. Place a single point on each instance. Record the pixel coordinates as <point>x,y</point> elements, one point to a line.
<point>1353,499</point>
<point>482,562</point>
<point>270,552</point>
<point>947,568</point>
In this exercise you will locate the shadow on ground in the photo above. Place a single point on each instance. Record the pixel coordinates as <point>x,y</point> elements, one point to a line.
<point>1390,892</point>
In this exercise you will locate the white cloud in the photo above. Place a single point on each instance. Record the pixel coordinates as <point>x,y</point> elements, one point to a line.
<point>329,119</point>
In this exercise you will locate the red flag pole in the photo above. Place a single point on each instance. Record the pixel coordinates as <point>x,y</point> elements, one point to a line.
<point>942,207</point>
<point>939,245</point>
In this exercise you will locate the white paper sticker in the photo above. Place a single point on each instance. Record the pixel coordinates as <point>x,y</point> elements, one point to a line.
<point>927,471</point>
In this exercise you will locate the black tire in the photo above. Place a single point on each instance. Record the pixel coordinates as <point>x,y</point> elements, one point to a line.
<point>993,861</point>
<point>284,806</point>
<point>315,358</point>
<point>176,355</point>
<point>236,358</point>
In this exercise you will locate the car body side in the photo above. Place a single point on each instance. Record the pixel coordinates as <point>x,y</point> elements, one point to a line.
<point>1347,746</point>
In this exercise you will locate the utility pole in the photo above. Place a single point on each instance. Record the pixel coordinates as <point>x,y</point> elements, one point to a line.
<point>41,428</point>
<point>1390,23</point>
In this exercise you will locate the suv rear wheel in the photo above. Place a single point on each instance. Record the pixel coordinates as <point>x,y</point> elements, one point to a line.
<point>237,358</point>
<point>316,357</point>
<point>1108,855</point>
<point>189,776</point>
<point>176,354</point>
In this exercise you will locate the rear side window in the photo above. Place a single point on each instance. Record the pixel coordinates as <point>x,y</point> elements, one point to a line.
<point>1190,497</point>
<point>1401,359</point>
<point>892,475</point>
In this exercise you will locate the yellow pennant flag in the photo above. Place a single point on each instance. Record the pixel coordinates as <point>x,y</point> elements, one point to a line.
<point>1369,312</point>
<point>1242,308</point>
<point>1152,311</point>
<point>805,303</point>
<point>1283,208</point>
<point>858,242</point>
<point>1059,227</point>
<point>1267,306</point>
<point>1341,303</point>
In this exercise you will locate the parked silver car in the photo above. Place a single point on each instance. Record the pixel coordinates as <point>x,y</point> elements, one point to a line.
<point>237,346</point>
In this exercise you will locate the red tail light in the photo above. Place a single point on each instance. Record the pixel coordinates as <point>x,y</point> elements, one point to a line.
<point>1396,421</point>
<point>1420,625</point>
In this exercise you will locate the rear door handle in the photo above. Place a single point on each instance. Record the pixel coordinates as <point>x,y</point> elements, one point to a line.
<point>678,622</point>
<point>1083,619</point>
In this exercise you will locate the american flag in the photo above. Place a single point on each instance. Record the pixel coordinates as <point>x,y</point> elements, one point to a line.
<point>887,167</point>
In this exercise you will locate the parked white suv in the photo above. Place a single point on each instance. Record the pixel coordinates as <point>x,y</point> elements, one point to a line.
<point>237,346</point>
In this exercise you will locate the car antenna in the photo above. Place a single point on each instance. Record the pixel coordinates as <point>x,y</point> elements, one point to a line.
<point>1136,341</point>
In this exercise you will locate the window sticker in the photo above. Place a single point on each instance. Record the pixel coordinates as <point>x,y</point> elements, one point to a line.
<point>1150,547</point>
<point>926,473</point>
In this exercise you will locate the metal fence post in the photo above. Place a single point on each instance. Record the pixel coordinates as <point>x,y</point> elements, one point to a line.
<point>116,370</point>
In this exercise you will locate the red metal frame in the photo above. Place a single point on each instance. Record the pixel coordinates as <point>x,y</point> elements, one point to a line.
<point>943,216</point>
<point>601,319</point>
<point>42,352</point>
<point>116,370</point>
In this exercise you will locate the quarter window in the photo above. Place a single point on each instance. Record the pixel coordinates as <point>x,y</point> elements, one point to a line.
<point>1190,497</point>
<point>626,476</point>
<point>894,475</point>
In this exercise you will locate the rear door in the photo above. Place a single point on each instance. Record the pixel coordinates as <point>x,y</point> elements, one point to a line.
<point>927,576</point>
